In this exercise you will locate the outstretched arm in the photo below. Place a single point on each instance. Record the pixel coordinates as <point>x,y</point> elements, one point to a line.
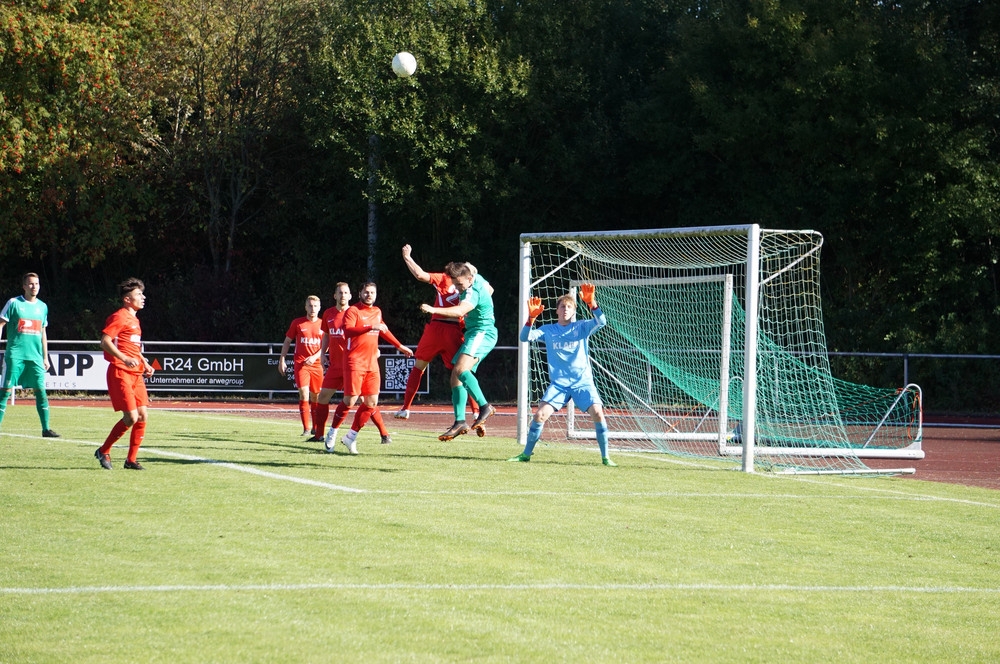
<point>456,311</point>
<point>411,264</point>
<point>391,338</point>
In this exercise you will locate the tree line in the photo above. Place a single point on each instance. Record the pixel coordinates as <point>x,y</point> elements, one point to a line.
<point>239,155</point>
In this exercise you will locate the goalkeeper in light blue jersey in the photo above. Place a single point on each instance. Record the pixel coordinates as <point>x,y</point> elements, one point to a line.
<point>570,375</point>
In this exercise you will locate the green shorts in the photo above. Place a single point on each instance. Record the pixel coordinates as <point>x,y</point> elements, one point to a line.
<point>477,343</point>
<point>26,373</point>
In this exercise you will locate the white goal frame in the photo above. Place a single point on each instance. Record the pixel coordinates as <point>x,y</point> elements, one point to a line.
<point>748,428</point>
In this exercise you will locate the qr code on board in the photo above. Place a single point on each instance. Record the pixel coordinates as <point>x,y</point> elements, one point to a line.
<point>397,371</point>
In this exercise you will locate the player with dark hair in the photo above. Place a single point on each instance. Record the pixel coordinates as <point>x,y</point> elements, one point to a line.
<point>363,327</point>
<point>307,363</point>
<point>26,358</point>
<point>334,343</point>
<point>570,373</point>
<point>476,305</point>
<point>121,341</point>
<point>442,336</point>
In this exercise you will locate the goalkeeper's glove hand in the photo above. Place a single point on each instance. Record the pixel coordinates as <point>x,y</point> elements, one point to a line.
<point>587,295</point>
<point>535,309</point>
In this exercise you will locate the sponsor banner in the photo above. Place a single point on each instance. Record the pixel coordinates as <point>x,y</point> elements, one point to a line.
<point>81,371</point>
<point>86,371</point>
<point>222,372</point>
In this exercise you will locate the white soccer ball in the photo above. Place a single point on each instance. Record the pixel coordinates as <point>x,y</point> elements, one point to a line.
<point>404,64</point>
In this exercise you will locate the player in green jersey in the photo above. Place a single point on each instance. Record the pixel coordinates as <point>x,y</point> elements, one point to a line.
<point>26,358</point>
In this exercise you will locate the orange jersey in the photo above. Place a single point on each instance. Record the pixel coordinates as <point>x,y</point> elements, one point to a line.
<point>125,332</point>
<point>447,294</point>
<point>332,323</point>
<point>362,337</point>
<point>307,335</point>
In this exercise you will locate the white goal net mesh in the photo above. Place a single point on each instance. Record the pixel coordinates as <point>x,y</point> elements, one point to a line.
<point>671,364</point>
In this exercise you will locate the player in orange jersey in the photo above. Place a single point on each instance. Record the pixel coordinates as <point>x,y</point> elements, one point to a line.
<point>121,341</point>
<point>363,327</point>
<point>334,343</point>
<point>307,363</point>
<point>442,335</point>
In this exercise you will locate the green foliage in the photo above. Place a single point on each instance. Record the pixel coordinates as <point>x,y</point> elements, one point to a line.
<point>66,124</point>
<point>262,149</point>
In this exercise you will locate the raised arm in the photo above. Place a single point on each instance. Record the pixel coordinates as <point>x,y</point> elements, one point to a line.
<point>415,270</point>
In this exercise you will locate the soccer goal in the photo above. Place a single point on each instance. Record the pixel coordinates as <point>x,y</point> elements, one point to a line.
<point>714,347</point>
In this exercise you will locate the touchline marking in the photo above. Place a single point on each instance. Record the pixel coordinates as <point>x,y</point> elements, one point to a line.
<point>512,587</point>
<point>224,464</point>
<point>893,494</point>
<point>254,471</point>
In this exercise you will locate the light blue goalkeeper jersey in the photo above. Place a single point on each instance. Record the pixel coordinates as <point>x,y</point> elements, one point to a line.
<point>567,349</point>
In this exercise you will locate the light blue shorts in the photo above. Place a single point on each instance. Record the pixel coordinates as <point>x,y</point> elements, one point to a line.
<point>584,397</point>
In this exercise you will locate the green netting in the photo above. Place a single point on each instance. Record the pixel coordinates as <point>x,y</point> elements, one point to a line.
<point>670,363</point>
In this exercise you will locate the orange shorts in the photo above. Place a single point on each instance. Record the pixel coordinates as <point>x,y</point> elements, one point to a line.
<point>439,338</point>
<point>126,389</point>
<point>363,383</point>
<point>309,375</point>
<point>333,379</point>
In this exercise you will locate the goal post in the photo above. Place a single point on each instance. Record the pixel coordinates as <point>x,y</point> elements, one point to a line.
<point>714,347</point>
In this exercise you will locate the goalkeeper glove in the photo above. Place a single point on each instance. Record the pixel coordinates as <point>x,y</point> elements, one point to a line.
<point>587,295</point>
<point>535,309</point>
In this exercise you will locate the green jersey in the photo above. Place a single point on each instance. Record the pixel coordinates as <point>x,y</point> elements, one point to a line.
<point>481,316</point>
<point>25,322</point>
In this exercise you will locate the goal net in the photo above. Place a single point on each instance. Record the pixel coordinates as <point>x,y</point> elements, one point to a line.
<point>714,347</point>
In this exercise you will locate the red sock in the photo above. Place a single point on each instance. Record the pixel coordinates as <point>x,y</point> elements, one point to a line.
<point>304,414</point>
<point>117,431</point>
<point>361,417</point>
<point>312,415</point>
<point>135,440</point>
<point>377,419</point>
<point>339,415</point>
<point>412,385</point>
<point>320,416</point>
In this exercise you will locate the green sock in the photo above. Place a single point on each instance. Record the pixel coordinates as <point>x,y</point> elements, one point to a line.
<point>472,384</point>
<point>42,406</point>
<point>459,396</point>
<point>4,395</point>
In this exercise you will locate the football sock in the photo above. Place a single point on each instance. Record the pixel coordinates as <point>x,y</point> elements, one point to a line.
<point>322,413</point>
<point>339,415</point>
<point>412,385</point>
<point>377,419</point>
<point>304,414</point>
<point>361,417</point>
<point>42,406</point>
<point>135,440</point>
<point>459,395</point>
<point>4,394</point>
<point>471,383</point>
<point>117,431</point>
<point>312,415</point>
<point>534,433</point>
<point>601,429</point>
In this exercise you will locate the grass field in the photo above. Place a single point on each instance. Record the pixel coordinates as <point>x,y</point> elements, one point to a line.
<point>240,542</point>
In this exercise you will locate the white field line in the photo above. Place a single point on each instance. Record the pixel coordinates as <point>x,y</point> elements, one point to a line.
<point>222,464</point>
<point>893,494</point>
<point>255,471</point>
<point>511,587</point>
